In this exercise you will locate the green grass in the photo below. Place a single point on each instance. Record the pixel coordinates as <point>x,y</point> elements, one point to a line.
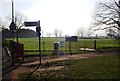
<point>93,68</point>
<point>32,43</point>
<point>89,43</point>
<point>48,44</point>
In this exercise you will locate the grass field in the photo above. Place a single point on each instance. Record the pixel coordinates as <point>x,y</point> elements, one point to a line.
<point>32,43</point>
<point>48,44</point>
<point>93,68</point>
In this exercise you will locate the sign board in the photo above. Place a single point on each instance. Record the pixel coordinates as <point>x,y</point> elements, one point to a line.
<point>31,23</point>
<point>74,38</point>
<point>62,44</point>
<point>71,39</point>
<point>68,39</point>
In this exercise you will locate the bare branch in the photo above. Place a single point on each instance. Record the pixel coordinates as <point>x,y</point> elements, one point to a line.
<point>117,4</point>
<point>107,16</point>
<point>114,9</point>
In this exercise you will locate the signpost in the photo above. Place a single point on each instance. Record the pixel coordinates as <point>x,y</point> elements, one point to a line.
<point>38,29</point>
<point>12,28</point>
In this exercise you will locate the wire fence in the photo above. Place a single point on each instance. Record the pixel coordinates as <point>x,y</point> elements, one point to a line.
<point>47,45</point>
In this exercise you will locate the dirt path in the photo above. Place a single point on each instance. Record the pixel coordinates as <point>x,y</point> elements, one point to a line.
<point>25,66</point>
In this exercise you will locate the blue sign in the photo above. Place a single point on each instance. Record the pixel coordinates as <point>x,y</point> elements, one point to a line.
<point>62,44</point>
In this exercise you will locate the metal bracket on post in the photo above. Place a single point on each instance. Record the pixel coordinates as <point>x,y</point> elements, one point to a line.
<point>70,48</point>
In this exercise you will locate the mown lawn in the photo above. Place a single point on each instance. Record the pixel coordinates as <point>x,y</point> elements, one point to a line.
<point>95,68</point>
<point>48,44</point>
<point>32,43</point>
<point>105,67</point>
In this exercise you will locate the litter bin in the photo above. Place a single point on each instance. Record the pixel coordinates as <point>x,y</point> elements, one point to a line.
<point>56,47</point>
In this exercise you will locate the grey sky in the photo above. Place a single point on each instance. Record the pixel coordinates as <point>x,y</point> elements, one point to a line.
<point>65,15</point>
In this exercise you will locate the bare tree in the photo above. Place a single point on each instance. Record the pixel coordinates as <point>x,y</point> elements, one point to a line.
<point>48,34</point>
<point>2,25</point>
<point>107,16</point>
<point>111,33</point>
<point>19,19</point>
<point>56,32</point>
<point>89,32</point>
<point>80,32</point>
<point>60,33</point>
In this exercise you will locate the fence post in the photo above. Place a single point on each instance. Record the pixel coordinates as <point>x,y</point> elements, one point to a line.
<point>95,44</point>
<point>85,45</point>
<point>12,44</point>
<point>70,48</point>
<point>43,45</point>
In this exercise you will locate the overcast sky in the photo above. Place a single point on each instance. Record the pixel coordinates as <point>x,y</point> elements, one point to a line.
<point>65,15</point>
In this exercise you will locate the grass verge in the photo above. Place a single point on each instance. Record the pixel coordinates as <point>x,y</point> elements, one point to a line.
<point>93,68</point>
